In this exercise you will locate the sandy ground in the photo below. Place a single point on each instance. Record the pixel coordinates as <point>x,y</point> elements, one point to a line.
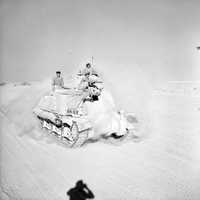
<point>163,165</point>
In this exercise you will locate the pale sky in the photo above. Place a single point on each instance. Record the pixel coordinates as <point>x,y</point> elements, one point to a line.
<point>157,37</point>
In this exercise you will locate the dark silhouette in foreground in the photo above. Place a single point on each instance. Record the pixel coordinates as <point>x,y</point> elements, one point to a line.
<point>80,192</point>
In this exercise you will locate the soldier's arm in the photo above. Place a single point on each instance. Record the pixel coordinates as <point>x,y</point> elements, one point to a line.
<point>53,84</point>
<point>80,73</point>
<point>62,83</point>
<point>89,193</point>
<point>94,72</point>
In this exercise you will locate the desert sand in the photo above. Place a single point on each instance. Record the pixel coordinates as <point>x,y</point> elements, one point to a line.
<point>164,164</point>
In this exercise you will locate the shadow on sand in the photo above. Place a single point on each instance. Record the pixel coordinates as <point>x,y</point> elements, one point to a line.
<point>80,192</point>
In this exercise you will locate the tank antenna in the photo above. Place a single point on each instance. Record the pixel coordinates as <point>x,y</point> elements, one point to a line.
<point>92,61</point>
